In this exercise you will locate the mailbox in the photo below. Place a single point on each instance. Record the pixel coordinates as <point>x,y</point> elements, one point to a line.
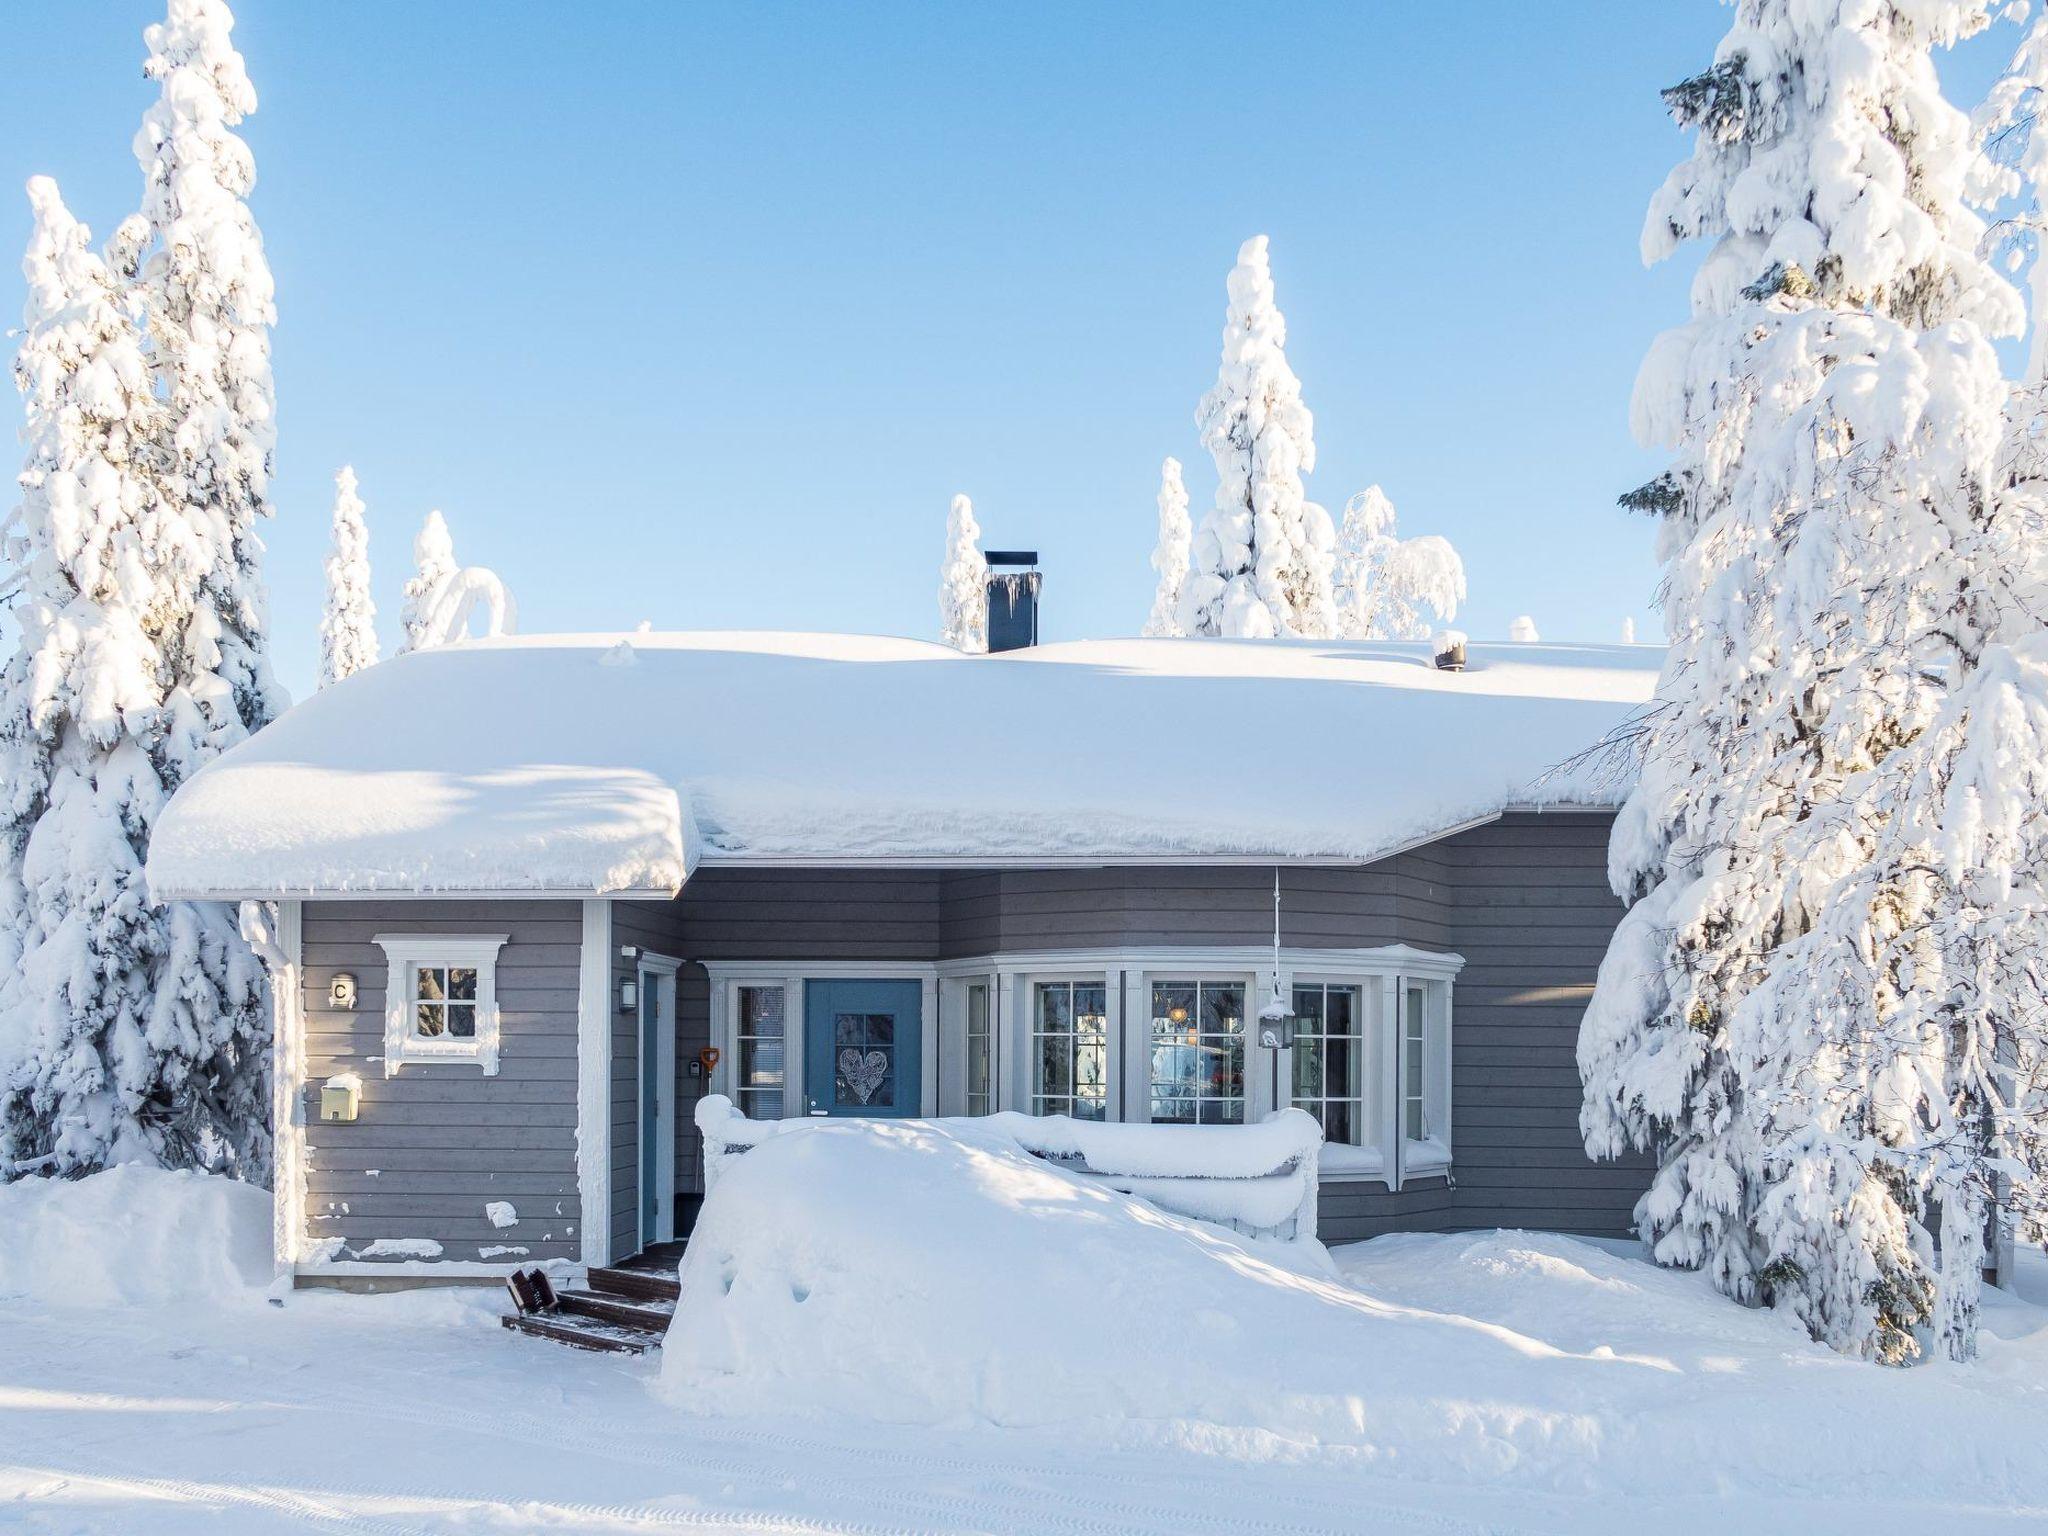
<point>340,1097</point>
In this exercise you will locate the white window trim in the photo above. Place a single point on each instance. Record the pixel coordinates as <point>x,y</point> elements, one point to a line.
<point>727,976</point>
<point>1024,994</point>
<point>665,1093</point>
<point>1127,974</point>
<point>404,954</point>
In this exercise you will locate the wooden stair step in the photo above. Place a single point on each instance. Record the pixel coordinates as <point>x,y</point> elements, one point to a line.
<point>636,1284</point>
<point>583,1332</point>
<point>650,1315</point>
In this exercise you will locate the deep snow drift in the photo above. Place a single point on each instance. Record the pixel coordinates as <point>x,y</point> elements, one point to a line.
<point>131,1236</point>
<point>613,762</point>
<point>1505,1383</point>
<point>932,1273</point>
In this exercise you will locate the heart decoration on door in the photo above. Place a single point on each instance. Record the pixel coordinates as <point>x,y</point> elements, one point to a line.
<point>863,1072</point>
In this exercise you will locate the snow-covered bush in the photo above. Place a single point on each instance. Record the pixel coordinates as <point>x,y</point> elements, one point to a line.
<point>1389,588</point>
<point>1260,563</point>
<point>348,627</point>
<point>1170,556</point>
<point>963,582</point>
<point>445,602</point>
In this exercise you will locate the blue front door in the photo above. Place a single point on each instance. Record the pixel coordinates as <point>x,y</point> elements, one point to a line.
<point>863,1047</point>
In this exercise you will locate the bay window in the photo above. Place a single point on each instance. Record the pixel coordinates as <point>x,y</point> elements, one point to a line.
<point>1425,1072</point>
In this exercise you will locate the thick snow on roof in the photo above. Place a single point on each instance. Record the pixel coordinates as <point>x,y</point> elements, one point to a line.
<point>598,763</point>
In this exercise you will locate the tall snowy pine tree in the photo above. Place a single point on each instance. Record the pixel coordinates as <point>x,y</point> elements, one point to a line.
<point>1834,409</point>
<point>1170,556</point>
<point>128,1030</point>
<point>1261,560</point>
<point>348,627</point>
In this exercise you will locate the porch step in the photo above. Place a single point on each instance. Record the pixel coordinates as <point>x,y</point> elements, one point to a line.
<point>636,1284</point>
<point>583,1332</point>
<point>648,1315</point>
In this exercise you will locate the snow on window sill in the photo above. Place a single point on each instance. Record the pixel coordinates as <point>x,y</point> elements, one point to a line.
<point>1338,1162</point>
<point>1425,1157</point>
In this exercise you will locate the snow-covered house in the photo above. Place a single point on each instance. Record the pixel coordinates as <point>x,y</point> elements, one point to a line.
<point>534,898</point>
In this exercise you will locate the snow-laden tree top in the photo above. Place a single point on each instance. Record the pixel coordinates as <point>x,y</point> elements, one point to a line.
<point>1261,560</point>
<point>607,762</point>
<point>963,581</point>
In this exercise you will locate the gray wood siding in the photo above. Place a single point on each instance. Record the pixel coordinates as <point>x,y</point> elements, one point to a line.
<point>432,1145</point>
<point>1402,898</point>
<point>1523,899</point>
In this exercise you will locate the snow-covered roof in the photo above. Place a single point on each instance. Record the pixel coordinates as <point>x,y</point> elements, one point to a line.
<point>611,763</point>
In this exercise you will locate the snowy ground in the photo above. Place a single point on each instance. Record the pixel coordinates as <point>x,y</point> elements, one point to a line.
<point>417,1413</point>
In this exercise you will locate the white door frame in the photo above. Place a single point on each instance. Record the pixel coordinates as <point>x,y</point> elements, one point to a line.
<point>663,968</point>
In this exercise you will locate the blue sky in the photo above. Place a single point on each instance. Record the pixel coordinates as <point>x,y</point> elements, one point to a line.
<point>700,314</point>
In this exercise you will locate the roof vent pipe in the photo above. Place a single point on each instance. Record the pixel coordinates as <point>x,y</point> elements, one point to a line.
<point>1449,650</point>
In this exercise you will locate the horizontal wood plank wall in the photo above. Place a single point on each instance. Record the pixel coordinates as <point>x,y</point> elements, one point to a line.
<point>435,1144</point>
<point>1533,918</point>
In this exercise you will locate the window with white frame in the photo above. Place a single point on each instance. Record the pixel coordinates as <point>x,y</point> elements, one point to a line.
<point>980,1051</point>
<point>1332,1072</point>
<point>441,999</point>
<point>1070,1049</point>
<point>762,1036</point>
<point>1425,1074</point>
<point>1197,1044</point>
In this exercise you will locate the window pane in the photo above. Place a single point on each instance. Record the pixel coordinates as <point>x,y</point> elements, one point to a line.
<point>1308,1010</point>
<point>1308,1068</point>
<point>761,1063</point>
<point>1055,1008</point>
<point>1222,1008</point>
<point>432,984</point>
<point>1055,1065</point>
<point>761,1011</point>
<point>1173,1008</point>
<point>430,1020</point>
<point>462,983</point>
<point>461,1020</point>
<point>1091,1009</point>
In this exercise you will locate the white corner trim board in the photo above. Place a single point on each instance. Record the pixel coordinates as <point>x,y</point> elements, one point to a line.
<point>594,1082</point>
<point>410,953</point>
<point>274,933</point>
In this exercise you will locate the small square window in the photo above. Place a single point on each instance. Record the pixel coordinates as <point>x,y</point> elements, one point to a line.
<point>441,1002</point>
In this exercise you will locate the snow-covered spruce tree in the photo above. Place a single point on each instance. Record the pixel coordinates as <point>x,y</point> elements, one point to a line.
<point>1170,556</point>
<point>433,561</point>
<point>348,627</point>
<point>1260,564</point>
<point>1628,631</point>
<point>128,1030</point>
<point>207,292</point>
<point>963,581</point>
<point>1389,588</point>
<point>1830,409</point>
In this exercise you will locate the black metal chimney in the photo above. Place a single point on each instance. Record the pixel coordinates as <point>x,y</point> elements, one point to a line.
<point>1013,582</point>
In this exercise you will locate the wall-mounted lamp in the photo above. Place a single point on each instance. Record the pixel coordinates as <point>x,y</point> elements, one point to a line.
<point>629,995</point>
